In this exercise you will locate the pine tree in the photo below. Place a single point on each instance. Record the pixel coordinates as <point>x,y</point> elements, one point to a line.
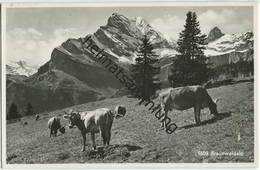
<point>145,73</point>
<point>13,112</point>
<point>189,67</point>
<point>185,38</point>
<point>29,109</point>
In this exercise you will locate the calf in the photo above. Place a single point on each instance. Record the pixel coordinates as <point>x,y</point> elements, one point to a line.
<point>96,121</point>
<point>25,123</point>
<point>183,98</point>
<point>54,125</point>
<point>37,117</point>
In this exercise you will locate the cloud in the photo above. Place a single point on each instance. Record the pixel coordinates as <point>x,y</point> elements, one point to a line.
<point>224,19</point>
<point>228,20</point>
<point>33,46</point>
<point>169,25</point>
<point>29,33</point>
<point>34,33</point>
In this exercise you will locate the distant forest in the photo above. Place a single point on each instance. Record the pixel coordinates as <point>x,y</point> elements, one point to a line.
<point>239,69</point>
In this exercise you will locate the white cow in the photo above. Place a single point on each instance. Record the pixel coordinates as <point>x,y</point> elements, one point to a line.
<point>96,121</point>
<point>183,98</point>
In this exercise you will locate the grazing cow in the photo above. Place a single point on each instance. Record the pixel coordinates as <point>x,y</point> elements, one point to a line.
<point>96,121</point>
<point>25,123</point>
<point>55,125</point>
<point>37,117</point>
<point>183,98</point>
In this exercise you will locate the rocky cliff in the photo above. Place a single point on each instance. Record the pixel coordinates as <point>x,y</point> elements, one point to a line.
<point>214,34</point>
<point>72,75</point>
<point>231,48</point>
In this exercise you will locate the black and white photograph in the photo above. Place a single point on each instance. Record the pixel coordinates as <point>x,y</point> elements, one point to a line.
<point>129,84</point>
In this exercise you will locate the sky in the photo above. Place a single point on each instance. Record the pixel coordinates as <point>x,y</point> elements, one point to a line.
<point>32,33</point>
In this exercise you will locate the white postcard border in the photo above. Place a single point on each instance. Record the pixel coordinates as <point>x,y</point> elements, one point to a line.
<point>130,165</point>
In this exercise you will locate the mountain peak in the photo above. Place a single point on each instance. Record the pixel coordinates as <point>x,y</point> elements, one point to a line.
<point>216,29</point>
<point>140,21</point>
<point>214,34</point>
<point>20,68</point>
<point>116,20</point>
<point>141,24</point>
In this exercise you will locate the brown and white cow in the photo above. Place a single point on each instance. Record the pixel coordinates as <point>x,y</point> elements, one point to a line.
<point>96,121</point>
<point>54,125</point>
<point>183,98</point>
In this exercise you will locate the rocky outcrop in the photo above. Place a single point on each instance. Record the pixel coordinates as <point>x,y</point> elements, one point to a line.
<point>231,48</point>
<point>214,34</point>
<point>231,58</point>
<point>122,36</point>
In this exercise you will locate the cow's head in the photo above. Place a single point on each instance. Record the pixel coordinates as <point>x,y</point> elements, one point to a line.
<point>120,111</point>
<point>213,107</point>
<point>73,117</point>
<point>62,129</point>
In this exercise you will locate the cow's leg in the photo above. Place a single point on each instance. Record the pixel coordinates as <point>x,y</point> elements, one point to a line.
<point>93,140</point>
<point>197,114</point>
<point>162,110</point>
<point>163,124</point>
<point>55,133</point>
<point>109,137</point>
<point>104,137</point>
<point>84,141</point>
<point>50,133</point>
<point>108,133</point>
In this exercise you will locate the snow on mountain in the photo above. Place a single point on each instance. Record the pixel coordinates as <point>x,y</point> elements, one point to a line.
<point>230,43</point>
<point>231,48</point>
<point>121,36</point>
<point>173,43</point>
<point>141,24</point>
<point>166,52</point>
<point>20,68</point>
<point>155,35</point>
<point>221,49</point>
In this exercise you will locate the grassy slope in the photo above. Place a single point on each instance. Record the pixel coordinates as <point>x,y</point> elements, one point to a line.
<point>138,138</point>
